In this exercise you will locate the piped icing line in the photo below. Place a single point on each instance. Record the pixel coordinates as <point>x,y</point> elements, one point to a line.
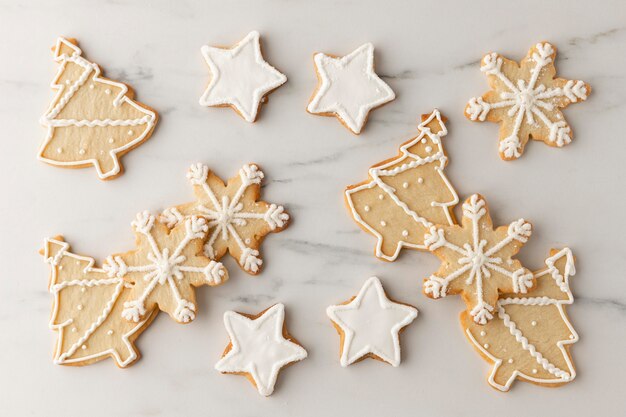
<point>64,95</point>
<point>235,77</point>
<point>353,108</point>
<point>414,160</point>
<point>62,357</point>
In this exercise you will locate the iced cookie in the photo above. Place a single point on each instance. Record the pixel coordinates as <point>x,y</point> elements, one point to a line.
<point>530,336</point>
<point>348,87</point>
<point>407,194</point>
<point>237,221</point>
<point>91,120</point>
<point>369,325</point>
<point>239,77</point>
<point>259,347</point>
<point>477,260</point>
<point>526,100</point>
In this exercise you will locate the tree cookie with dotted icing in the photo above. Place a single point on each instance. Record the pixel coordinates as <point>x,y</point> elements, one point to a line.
<point>348,87</point>
<point>240,77</point>
<point>530,336</point>
<point>407,194</point>
<point>237,221</point>
<point>370,324</point>
<point>87,310</point>
<point>526,99</point>
<point>260,347</point>
<point>91,120</point>
<point>477,260</point>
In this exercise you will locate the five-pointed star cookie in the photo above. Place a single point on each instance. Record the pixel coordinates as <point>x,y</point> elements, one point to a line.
<point>477,261</point>
<point>259,347</point>
<point>526,100</point>
<point>370,324</point>
<point>348,87</point>
<point>240,77</point>
<point>237,221</point>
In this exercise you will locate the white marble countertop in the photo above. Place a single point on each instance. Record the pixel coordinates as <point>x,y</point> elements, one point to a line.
<point>429,54</point>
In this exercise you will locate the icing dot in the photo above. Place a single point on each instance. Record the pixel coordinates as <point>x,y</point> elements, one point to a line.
<point>534,371</point>
<point>111,140</point>
<point>366,208</point>
<point>486,345</point>
<point>110,332</point>
<point>83,347</point>
<point>383,223</point>
<point>107,91</point>
<point>405,185</point>
<point>483,333</point>
<point>428,149</point>
<point>247,241</point>
<point>91,86</point>
<point>405,233</point>
<point>509,261</point>
<point>101,152</point>
<point>82,152</point>
<point>130,132</point>
<point>83,289</point>
<point>67,82</point>
<point>420,180</point>
<point>510,360</point>
<point>59,150</point>
<point>60,267</point>
<point>77,262</point>
<point>73,329</point>
<point>380,196</point>
<point>423,140</point>
<point>533,323</point>
<point>571,336</point>
<point>79,307</point>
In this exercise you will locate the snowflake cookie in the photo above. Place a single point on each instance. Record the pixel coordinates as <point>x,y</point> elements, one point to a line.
<point>91,120</point>
<point>477,261</point>
<point>87,310</point>
<point>406,195</point>
<point>165,268</point>
<point>370,325</point>
<point>259,347</point>
<point>240,77</point>
<point>348,87</point>
<point>526,100</point>
<point>530,336</point>
<point>237,222</point>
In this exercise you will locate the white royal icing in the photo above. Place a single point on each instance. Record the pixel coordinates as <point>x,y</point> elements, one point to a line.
<point>349,87</point>
<point>66,92</point>
<point>240,77</point>
<point>259,348</point>
<point>371,324</point>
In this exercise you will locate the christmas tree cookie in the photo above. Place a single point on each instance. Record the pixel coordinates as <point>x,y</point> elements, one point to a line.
<point>236,219</point>
<point>91,120</point>
<point>526,100</point>
<point>406,195</point>
<point>530,336</point>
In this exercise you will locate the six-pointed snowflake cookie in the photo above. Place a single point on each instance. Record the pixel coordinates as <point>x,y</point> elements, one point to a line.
<point>530,337</point>
<point>165,268</point>
<point>237,222</point>
<point>370,325</point>
<point>477,261</point>
<point>259,347</point>
<point>348,87</point>
<point>91,120</point>
<point>406,195</point>
<point>526,100</point>
<point>240,77</point>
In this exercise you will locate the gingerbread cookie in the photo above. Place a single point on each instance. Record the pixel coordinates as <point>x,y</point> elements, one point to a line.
<point>407,194</point>
<point>87,310</point>
<point>348,87</point>
<point>240,77</point>
<point>369,325</point>
<point>530,336</point>
<point>477,260</point>
<point>91,120</point>
<point>259,347</point>
<point>526,100</point>
<point>237,221</point>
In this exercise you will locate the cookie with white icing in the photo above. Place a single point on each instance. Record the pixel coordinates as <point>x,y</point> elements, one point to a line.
<point>526,99</point>
<point>237,221</point>
<point>259,347</point>
<point>369,325</point>
<point>349,88</point>
<point>405,195</point>
<point>91,120</point>
<point>530,336</point>
<point>240,77</point>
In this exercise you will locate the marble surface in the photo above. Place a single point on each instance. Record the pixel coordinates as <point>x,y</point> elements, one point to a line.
<point>429,53</point>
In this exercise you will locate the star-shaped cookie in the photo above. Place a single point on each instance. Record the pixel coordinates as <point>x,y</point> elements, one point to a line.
<point>260,347</point>
<point>348,87</point>
<point>370,325</point>
<point>240,77</point>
